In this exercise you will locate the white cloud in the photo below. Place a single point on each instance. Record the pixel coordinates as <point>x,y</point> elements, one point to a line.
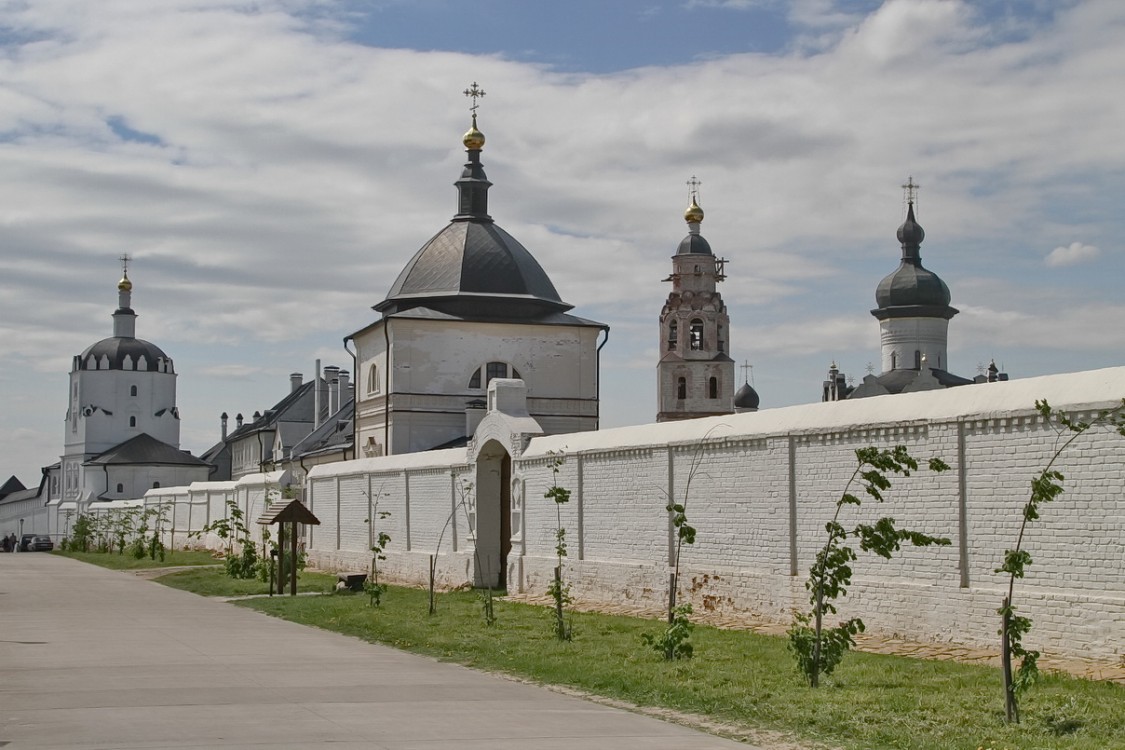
<point>1069,255</point>
<point>292,174</point>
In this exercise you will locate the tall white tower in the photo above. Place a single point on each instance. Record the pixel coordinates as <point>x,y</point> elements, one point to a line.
<point>120,388</point>
<point>695,375</point>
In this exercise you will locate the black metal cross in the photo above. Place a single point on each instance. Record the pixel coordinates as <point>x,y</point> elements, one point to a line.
<point>125,263</point>
<point>693,189</point>
<point>911,189</point>
<point>474,92</point>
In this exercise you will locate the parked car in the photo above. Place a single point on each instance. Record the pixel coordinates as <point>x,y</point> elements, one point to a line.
<point>35,543</point>
<point>40,544</point>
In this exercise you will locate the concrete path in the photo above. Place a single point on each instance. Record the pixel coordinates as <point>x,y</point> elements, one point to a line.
<point>94,658</point>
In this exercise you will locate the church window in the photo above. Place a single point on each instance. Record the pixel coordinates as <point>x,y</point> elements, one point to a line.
<point>156,485</point>
<point>474,381</point>
<point>722,344</point>
<point>373,379</point>
<point>713,388</point>
<point>681,388</point>
<point>917,360</point>
<point>673,334</point>
<point>496,370</point>
<point>132,390</point>
<point>120,487</point>
<point>132,421</point>
<point>894,360</point>
<point>696,334</point>
<point>516,374</point>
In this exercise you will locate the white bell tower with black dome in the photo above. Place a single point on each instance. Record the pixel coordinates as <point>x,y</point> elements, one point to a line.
<point>121,388</point>
<point>695,375</point>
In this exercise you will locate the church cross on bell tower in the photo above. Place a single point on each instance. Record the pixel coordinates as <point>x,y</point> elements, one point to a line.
<point>695,375</point>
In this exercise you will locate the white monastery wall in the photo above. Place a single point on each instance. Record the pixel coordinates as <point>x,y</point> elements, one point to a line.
<point>762,486</point>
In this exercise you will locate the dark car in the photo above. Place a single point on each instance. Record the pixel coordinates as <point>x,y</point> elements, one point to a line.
<point>40,544</point>
<point>35,543</point>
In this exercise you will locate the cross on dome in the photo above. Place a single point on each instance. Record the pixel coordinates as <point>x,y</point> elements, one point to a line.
<point>474,92</point>
<point>910,190</point>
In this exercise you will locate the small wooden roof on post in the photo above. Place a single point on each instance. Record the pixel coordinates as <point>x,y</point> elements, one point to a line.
<point>293,512</point>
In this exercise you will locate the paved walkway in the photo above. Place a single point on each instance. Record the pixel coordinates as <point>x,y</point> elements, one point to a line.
<point>94,658</point>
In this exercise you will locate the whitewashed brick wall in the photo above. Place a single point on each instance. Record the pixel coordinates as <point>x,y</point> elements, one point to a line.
<point>762,487</point>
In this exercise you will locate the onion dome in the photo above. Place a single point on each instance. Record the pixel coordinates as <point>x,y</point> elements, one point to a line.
<point>125,285</point>
<point>911,285</point>
<point>746,398</point>
<point>693,214</point>
<point>472,267</point>
<point>694,242</point>
<point>473,139</point>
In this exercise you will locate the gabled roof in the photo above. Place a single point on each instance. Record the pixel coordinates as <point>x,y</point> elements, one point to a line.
<point>147,450</point>
<point>297,406</point>
<point>12,485</point>
<point>20,495</point>
<point>334,434</point>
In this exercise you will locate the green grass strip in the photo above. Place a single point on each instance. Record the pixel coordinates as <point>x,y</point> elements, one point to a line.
<point>745,679</point>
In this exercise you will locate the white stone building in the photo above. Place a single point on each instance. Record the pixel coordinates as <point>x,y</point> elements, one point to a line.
<point>470,306</point>
<point>122,432</point>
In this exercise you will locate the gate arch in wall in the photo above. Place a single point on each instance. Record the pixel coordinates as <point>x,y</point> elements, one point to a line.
<point>492,489</point>
<point>501,436</point>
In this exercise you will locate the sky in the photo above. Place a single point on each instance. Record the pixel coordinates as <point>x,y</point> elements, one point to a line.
<point>271,166</point>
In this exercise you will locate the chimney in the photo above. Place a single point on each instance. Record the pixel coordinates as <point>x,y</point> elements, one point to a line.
<point>344,386</point>
<point>223,421</point>
<point>238,419</point>
<point>316,396</point>
<point>332,378</point>
<point>295,381</point>
<point>257,415</point>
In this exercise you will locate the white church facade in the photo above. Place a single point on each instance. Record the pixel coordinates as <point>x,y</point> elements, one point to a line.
<point>471,306</point>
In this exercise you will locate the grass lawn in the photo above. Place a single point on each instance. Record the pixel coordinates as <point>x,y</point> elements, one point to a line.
<point>215,582</point>
<point>128,562</point>
<point>870,702</point>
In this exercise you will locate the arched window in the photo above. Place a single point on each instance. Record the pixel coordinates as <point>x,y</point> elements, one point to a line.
<point>681,388</point>
<point>373,379</point>
<point>495,370</point>
<point>156,485</point>
<point>474,381</point>
<point>713,388</point>
<point>132,390</point>
<point>917,360</point>
<point>120,487</point>
<point>673,335</point>
<point>132,421</point>
<point>696,334</point>
<point>721,344</point>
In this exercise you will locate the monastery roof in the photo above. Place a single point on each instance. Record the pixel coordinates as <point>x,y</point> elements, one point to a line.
<point>1093,389</point>
<point>147,450</point>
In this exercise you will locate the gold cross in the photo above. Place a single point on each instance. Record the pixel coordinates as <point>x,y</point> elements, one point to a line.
<point>475,92</point>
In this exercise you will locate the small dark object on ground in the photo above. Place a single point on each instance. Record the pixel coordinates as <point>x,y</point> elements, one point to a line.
<point>351,581</point>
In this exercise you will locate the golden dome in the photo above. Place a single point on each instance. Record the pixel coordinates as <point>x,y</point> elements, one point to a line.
<point>693,214</point>
<point>474,139</point>
<point>125,285</point>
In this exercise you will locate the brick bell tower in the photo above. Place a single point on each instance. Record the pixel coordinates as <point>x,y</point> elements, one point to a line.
<point>695,376</point>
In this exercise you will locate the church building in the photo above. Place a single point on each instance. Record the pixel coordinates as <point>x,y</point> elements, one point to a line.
<point>695,375</point>
<point>913,311</point>
<point>122,432</point>
<point>471,305</point>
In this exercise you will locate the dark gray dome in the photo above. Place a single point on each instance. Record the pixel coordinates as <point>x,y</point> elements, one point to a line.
<point>746,397</point>
<point>119,347</point>
<point>694,244</point>
<point>470,260</point>
<point>911,284</point>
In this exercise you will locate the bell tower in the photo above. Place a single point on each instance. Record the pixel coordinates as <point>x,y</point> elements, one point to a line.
<point>695,375</point>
